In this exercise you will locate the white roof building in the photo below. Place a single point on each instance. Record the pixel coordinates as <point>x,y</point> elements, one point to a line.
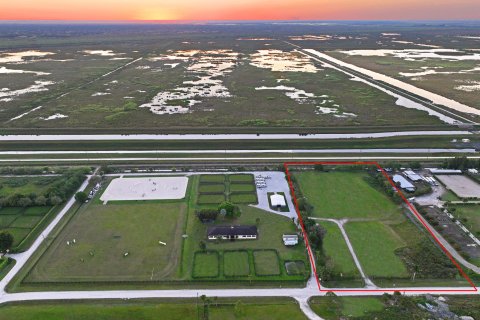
<point>277,200</point>
<point>404,183</point>
<point>412,175</point>
<point>290,239</point>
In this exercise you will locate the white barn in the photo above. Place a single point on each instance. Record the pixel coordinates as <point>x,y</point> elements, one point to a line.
<point>277,200</point>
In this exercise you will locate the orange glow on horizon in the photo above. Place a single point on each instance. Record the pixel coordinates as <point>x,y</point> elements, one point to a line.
<point>239,9</point>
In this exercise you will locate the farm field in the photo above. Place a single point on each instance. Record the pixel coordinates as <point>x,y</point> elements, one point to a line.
<point>128,242</point>
<point>341,195</point>
<point>335,247</point>
<point>375,245</point>
<point>175,309</point>
<point>107,249</point>
<point>389,246</point>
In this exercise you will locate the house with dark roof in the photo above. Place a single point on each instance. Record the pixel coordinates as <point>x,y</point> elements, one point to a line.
<point>232,232</point>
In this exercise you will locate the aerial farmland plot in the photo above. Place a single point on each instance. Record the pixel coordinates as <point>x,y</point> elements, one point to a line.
<point>157,240</point>
<point>390,247</point>
<point>164,83</point>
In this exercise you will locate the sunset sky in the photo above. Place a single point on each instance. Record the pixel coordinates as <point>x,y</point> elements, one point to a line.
<point>238,9</point>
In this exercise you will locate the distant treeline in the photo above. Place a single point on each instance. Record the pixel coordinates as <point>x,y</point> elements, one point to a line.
<point>60,190</point>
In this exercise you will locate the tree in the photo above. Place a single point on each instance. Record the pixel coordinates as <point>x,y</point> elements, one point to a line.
<point>6,241</point>
<point>55,200</point>
<point>24,202</point>
<point>81,196</point>
<point>40,201</point>
<point>202,245</point>
<point>207,215</point>
<point>232,211</point>
<point>318,167</point>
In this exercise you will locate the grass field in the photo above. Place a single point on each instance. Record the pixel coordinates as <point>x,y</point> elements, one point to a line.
<point>212,178</point>
<point>266,262</point>
<point>26,185</point>
<point>21,222</point>
<point>351,307</point>
<point>214,199</point>
<point>206,264</point>
<point>340,195</point>
<point>469,215</point>
<point>335,247</point>
<point>221,309</point>
<point>105,233</point>
<point>215,188</point>
<point>236,263</point>
<point>241,178</point>
<point>237,187</point>
<point>248,198</point>
<point>375,243</point>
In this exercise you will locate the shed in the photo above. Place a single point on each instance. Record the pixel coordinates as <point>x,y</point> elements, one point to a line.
<point>290,239</point>
<point>277,200</point>
<point>410,174</point>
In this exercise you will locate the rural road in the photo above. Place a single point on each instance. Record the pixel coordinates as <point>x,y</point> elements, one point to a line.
<point>168,137</point>
<point>224,151</point>
<point>226,159</point>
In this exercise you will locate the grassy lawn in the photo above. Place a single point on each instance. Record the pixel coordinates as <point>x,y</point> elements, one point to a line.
<point>104,234</point>
<point>248,198</point>
<point>450,196</point>
<point>266,262</point>
<point>375,243</point>
<point>206,264</point>
<point>241,178</point>
<point>332,308</point>
<point>344,195</point>
<point>242,187</point>
<point>212,178</point>
<point>335,247</point>
<point>210,198</point>
<point>221,309</point>
<point>469,215</point>
<point>236,263</point>
<point>215,188</point>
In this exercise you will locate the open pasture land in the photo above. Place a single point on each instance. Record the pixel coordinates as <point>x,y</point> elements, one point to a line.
<point>153,188</point>
<point>115,242</point>
<point>390,246</point>
<point>160,79</point>
<point>375,245</point>
<point>337,251</point>
<point>150,309</point>
<point>461,186</point>
<point>341,195</point>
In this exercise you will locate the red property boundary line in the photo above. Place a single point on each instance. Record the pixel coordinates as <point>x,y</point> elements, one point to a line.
<point>410,206</point>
